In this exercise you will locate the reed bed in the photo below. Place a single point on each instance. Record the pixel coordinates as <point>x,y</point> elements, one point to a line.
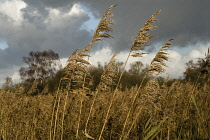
<point>158,111</point>
<point>28,117</point>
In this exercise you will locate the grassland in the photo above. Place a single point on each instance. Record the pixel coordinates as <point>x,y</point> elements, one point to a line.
<point>180,114</point>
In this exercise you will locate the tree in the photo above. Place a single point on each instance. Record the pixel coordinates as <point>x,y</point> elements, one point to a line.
<point>96,73</point>
<point>8,83</point>
<point>200,68</point>
<point>136,68</point>
<point>194,69</point>
<point>41,66</point>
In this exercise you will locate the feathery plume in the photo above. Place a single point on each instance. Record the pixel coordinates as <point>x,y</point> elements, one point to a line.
<point>141,40</point>
<point>109,75</point>
<point>143,37</point>
<point>107,80</point>
<point>205,68</point>
<point>103,26</point>
<point>156,66</point>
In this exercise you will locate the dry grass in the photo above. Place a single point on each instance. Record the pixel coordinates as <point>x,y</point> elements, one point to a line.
<point>28,117</point>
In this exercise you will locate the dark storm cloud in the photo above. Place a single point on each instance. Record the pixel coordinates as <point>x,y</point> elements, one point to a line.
<point>37,32</point>
<point>187,21</point>
<point>50,3</point>
<point>34,34</point>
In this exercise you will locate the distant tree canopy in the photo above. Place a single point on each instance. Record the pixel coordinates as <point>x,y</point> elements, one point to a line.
<point>130,78</point>
<point>41,66</point>
<point>194,69</point>
<point>45,68</point>
<point>136,68</point>
<point>8,83</point>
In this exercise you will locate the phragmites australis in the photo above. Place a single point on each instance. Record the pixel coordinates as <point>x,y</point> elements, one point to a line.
<point>76,69</point>
<point>205,68</point>
<point>108,78</point>
<point>141,40</point>
<point>34,88</point>
<point>107,81</point>
<point>143,37</point>
<point>156,66</point>
<point>151,97</point>
<point>103,27</point>
<point>78,63</point>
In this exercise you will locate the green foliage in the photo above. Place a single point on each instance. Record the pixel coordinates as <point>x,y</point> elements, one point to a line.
<point>150,132</point>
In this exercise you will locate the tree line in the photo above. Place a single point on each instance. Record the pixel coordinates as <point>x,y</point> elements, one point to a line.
<point>44,70</point>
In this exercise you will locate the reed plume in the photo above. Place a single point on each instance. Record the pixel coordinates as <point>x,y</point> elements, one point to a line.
<point>141,40</point>
<point>205,68</point>
<point>107,81</point>
<point>77,61</point>
<point>109,76</point>
<point>155,68</point>
<point>76,69</point>
<point>77,65</point>
<point>103,26</point>
<point>143,37</point>
<point>34,88</point>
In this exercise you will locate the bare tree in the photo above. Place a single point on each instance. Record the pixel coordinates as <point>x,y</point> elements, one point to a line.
<point>8,83</point>
<point>41,66</point>
<point>136,68</point>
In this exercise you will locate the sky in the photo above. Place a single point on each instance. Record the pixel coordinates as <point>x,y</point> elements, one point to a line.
<point>66,25</point>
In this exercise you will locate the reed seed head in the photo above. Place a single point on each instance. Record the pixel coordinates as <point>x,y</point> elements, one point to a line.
<point>143,37</point>
<point>156,66</point>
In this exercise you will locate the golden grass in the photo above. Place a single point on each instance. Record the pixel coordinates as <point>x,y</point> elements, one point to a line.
<point>25,117</point>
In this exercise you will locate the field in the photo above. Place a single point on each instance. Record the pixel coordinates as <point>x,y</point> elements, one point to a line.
<point>166,113</point>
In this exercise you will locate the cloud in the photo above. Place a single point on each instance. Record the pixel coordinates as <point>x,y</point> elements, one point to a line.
<point>12,72</point>
<point>175,67</point>
<point>34,30</point>
<point>37,25</point>
<point>185,22</point>
<point>12,9</point>
<point>57,31</point>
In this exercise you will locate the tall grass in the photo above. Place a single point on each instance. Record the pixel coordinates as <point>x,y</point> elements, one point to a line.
<point>23,116</point>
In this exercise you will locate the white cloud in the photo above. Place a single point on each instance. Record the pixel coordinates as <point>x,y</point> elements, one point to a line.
<point>16,77</point>
<point>195,54</point>
<point>76,10</point>
<point>175,68</point>
<point>57,18</point>
<point>12,9</point>
<point>63,62</point>
<point>103,55</point>
<point>200,51</point>
<point>11,72</point>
